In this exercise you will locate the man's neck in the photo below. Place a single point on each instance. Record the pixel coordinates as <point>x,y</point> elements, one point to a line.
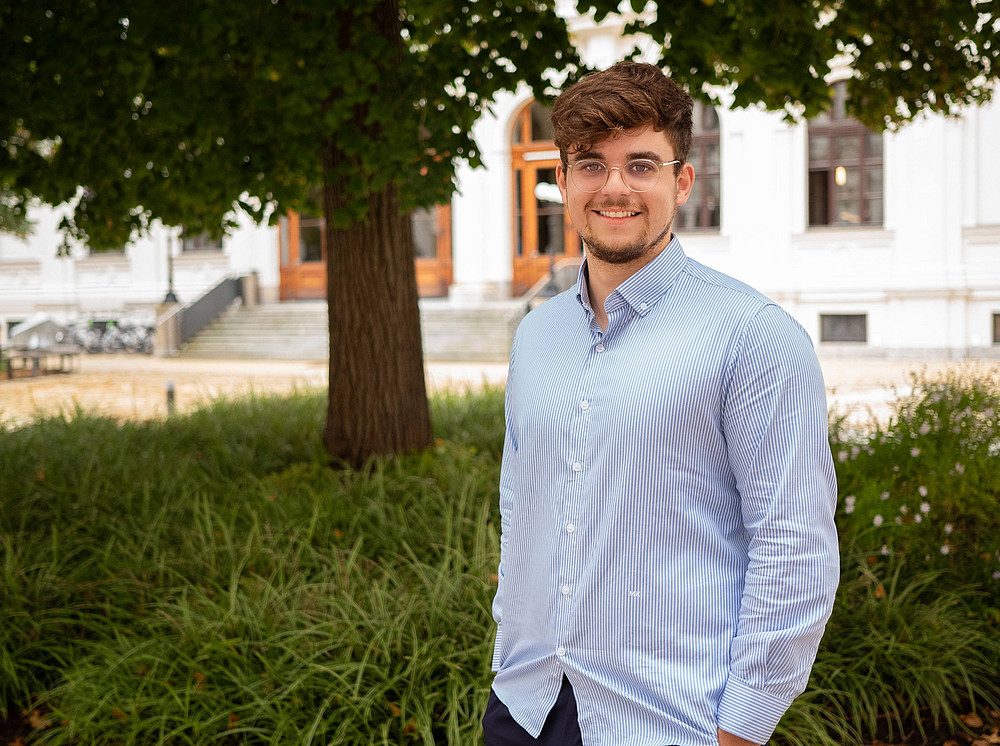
<point>604,277</point>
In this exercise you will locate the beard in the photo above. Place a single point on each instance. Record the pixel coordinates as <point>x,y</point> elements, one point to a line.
<point>624,253</point>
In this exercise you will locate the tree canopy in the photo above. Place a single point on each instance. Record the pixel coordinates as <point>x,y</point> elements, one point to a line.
<point>176,111</point>
<point>150,109</point>
<point>907,57</point>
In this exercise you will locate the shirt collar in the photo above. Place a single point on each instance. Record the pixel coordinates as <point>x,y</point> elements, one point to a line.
<point>643,289</point>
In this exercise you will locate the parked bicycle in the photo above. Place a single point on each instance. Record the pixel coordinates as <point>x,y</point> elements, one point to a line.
<point>111,336</point>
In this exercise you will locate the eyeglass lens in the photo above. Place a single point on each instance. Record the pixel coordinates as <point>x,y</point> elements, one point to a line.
<point>639,175</point>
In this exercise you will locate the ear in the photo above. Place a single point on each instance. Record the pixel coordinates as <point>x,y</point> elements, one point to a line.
<point>561,181</point>
<point>685,183</point>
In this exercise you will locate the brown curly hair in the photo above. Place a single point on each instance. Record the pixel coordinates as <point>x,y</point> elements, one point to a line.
<point>624,97</point>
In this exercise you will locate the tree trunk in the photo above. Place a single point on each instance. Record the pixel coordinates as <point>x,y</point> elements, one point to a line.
<point>378,400</point>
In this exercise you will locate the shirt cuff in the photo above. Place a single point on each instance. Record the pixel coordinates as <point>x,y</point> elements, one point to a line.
<point>749,713</point>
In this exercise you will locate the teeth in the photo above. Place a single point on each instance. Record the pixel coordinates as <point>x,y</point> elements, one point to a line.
<point>618,214</point>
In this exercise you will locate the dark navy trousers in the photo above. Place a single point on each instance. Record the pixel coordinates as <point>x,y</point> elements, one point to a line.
<point>562,726</point>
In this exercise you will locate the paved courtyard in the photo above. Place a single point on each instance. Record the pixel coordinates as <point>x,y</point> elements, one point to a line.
<point>134,386</point>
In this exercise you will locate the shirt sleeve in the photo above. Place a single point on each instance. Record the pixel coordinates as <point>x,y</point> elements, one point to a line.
<point>775,424</point>
<point>507,471</point>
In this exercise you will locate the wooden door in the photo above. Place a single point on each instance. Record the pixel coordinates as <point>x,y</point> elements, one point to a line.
<point>302,248</point>
<point>432,247</point>
<point>303,254</point>
<point>542,231</point>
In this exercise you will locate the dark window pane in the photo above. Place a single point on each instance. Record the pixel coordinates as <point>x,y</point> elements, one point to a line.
<point>550,213</point>
<point>712,211</point>
<point>686,217</point>
<point>688,213</point>
<point>996,328</point>
<point>848,211</point>
<point>848,148</point>
<point>873,145</point>
<point>710,119</point>
<point>518,215</point>
<point>712,156</point>
<point>819,148</point>
<point>874,210</point>
<point>311,241</point>
<point>847,196</point>
<point>424,222</point>
<point>843,327</point>
<point>873,182</point>
<point>819,198</point>
<point>541,124</point>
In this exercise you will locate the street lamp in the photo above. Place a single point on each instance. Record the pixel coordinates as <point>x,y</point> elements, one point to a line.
<point>170,297</point>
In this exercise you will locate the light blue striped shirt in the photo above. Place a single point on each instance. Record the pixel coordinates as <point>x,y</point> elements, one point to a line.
<point>666,500</point>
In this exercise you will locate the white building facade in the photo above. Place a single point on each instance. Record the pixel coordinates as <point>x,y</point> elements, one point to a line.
<point>879,244</point>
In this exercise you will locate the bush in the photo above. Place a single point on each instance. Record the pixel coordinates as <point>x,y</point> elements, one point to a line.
<point>926,486</point>
<point>209,579</point>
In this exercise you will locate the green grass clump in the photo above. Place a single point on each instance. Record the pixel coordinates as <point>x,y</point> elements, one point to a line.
<point>210,579</point>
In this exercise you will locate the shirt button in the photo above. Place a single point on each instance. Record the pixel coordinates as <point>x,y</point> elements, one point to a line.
<point>643,306</point>
<point>570,528</point>
<point>565,590</point>
<point>585,405</point>
<point>577,466</point>
<point>599,348</point>
<point>560,651</point>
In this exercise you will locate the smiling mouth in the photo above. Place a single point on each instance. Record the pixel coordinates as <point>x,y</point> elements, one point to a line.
<point>617,213</point>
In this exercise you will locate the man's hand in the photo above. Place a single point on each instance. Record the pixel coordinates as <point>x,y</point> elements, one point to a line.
<point>728,739</point>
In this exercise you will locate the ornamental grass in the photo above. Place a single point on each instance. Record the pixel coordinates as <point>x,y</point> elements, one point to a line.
<point>209,579</point>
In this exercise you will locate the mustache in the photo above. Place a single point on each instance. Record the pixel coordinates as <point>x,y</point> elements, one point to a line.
<point>621,205</point>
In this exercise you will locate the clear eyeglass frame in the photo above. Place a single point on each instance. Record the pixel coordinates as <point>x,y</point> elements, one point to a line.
<point>589,183</point>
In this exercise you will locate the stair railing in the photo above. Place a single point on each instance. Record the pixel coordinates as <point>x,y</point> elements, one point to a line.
<point>180,323</point>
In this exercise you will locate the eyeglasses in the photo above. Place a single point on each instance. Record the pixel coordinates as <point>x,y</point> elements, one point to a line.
<point>639,175</point>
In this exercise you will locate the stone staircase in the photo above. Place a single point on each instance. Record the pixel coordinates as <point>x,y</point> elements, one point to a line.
<point>298,331</point>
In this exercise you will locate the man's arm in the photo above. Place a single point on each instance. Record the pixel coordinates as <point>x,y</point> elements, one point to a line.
<point>775,424</point>
<point>506,489</point>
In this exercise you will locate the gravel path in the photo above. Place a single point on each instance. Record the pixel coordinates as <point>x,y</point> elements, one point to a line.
<point>134,387</point>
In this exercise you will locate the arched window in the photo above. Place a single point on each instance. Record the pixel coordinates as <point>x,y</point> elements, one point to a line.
<point>542,231</point>
<point>702,210</point>
<point>845,168</point>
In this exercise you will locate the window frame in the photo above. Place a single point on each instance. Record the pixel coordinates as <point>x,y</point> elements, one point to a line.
<point>837,127</point>
<point>701,138</point>
<point>825,337</point>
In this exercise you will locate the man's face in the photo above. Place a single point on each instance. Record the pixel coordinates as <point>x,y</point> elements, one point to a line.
<point>617,225</point>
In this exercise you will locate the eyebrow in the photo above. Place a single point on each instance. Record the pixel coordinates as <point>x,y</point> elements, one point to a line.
<point>597,155</point>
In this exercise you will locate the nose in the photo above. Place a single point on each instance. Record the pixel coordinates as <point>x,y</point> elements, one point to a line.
<point>621,187</point>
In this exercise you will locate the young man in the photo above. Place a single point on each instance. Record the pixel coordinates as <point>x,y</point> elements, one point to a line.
<point>668,552</point>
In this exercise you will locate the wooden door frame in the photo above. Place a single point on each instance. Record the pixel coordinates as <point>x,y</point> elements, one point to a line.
<point>300,280</point>
<point>434,275</point>
<point>527,158</point>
